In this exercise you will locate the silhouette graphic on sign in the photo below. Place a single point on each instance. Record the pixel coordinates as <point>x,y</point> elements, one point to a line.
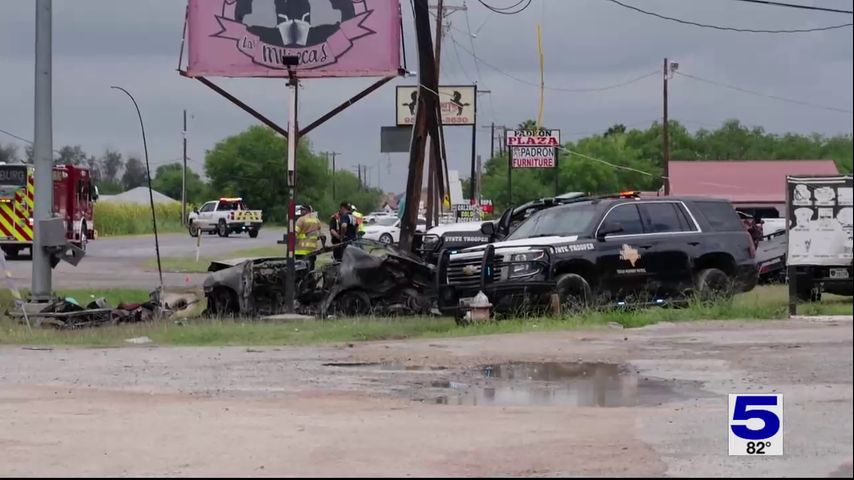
<point>456,101</point>
<point>413,103</point>
<point>293,23</point>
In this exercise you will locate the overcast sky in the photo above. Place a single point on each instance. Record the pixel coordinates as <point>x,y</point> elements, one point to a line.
<point>588,44</point>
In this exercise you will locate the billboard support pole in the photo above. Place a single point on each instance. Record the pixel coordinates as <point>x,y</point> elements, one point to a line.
<point>290,237</point>
<point>509,177</point>
<point>473,148</point>
<point>340,108</point>
<point>557,171</point>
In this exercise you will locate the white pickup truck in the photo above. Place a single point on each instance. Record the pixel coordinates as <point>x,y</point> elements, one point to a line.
<point>224,216</point>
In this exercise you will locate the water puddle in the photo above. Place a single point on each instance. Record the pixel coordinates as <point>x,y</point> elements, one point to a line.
<point>572,384</point>
<point>581,384</point>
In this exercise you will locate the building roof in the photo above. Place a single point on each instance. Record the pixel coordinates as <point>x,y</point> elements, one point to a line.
<point>742,181</point>
<point>138,195</point>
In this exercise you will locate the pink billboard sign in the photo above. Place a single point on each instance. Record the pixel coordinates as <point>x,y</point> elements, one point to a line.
<point>329,38</point>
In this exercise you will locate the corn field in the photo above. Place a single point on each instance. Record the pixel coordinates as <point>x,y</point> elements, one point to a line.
<point>132,219</point>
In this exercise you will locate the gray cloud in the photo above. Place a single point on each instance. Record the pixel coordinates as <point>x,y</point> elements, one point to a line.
<point>588,43</point>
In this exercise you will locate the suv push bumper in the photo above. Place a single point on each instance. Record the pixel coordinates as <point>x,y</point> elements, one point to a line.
<point>504,294</point>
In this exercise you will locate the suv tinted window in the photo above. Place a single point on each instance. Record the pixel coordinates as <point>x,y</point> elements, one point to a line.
<point>665,217</point>
<point>720,215</point>
<point>208,207</point>
<point>628,217</point>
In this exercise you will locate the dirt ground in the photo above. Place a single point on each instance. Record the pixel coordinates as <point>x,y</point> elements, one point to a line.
<point>389,408</point>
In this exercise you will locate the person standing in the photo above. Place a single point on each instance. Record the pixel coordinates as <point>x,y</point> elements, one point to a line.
<point>342,229</point>
<point>308,233</point>
<point>360,221</point>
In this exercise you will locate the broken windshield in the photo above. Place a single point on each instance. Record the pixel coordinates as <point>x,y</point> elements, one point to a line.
<point>565,221</point>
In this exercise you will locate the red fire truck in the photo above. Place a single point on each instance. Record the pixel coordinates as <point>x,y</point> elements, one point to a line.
<point>74,195</point>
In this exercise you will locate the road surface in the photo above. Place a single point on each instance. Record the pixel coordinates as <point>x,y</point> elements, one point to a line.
<point>118,262</point>
<point>391,408</point>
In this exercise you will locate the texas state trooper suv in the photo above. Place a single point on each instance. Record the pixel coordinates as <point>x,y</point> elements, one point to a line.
<point>457,236</point>
<point>607,250</point>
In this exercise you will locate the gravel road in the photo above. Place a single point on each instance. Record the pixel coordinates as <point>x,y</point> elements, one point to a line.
<point>651,401</point>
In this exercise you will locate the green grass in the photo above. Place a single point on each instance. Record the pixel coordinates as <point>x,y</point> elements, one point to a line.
<point>190,265</point>
<point>764,303</point>
<point>113,219</point>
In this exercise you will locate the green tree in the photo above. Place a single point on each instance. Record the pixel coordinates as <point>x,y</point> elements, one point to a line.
<point>111,164</point>
<point>135,174</point>
<point>168,179</point>
<point>73,155</point>
<point>8,153</point>
<point>632,159</point>
<point>250,165</point>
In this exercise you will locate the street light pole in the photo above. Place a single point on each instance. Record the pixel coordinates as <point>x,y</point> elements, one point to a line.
<point>150,193</point>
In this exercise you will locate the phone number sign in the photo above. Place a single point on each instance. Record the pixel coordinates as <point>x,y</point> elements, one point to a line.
<point>533,148</point>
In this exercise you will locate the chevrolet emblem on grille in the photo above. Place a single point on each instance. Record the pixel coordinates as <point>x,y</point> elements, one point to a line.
<point>469,270</point>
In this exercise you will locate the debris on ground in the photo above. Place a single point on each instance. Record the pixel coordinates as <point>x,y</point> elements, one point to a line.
<point>68,313</point>
<point>138,340</point>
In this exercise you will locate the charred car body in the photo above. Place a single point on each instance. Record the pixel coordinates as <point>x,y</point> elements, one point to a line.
<point>371,278</point>
<point>611,250</point>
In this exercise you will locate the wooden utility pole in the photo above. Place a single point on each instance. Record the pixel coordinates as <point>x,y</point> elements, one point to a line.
<point>665,137</point>
<point>427,106</point>
<point>432,175</point>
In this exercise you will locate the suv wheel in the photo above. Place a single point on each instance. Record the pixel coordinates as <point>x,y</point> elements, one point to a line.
<point>574,293</point>
<point>193,229</point>
<point>713,284</point>
<point>222,228</point>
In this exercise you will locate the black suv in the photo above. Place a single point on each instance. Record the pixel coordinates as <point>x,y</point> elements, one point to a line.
<point>607,250</point>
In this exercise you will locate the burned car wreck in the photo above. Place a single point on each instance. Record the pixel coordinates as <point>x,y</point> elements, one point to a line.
<point>371,278</point>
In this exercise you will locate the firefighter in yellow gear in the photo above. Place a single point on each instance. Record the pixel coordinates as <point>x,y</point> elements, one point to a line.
<point>308,233</point>
<point>360,221</point>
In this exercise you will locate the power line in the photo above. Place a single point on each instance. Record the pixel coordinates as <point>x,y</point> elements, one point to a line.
<point>793,5</point>
<point>555,89</point>
<point>16,136</point>
<point>773,97</point>
<point>613,165</point>
<point>732,29</point>
<point>21,138</point>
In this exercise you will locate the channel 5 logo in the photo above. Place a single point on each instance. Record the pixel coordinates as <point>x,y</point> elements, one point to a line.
<point>755,424</point>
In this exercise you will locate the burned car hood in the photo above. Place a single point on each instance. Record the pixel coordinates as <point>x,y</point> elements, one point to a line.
<point>228,272</point>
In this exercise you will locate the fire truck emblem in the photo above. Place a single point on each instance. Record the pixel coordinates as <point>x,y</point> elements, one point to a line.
<point>629,254</point>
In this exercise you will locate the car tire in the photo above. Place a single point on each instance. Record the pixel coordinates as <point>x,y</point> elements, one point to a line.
<point>223,302</point>
<point>713,285</point>
<point>253,233</point>
<point>352,303</point>
<point>386,239</point>
<point>193,230</point>
<point>574,293</point>
<point>222,229</point>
